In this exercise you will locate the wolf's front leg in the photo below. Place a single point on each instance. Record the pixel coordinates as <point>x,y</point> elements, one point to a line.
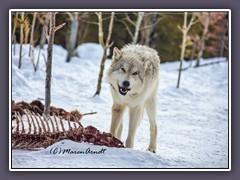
<point>117,115</point>
<point>136,114</point>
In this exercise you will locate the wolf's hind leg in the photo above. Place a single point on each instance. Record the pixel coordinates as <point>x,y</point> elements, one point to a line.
<point>151,108</point>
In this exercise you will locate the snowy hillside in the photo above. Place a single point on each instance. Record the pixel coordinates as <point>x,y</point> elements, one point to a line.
<point>192,120</point>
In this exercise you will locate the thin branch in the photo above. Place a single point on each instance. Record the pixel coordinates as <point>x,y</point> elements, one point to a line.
<point>59,27</point>
<point>89,22</point>
<point>70,15</point>
<point>46,34</point>
<point>193,21</point>
<point>129,20</point>
<point>85,14</point>
<point>91,113</point>
<point>45,59</point>
<point>126,26</point>
<point>152,25</point>
<point>111,44</point>
<point>106,18</point>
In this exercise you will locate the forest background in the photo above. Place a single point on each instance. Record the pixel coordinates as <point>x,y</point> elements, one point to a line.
<point>207,37</point>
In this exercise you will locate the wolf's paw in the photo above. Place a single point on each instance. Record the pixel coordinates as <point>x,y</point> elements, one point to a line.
<point>152,150</point>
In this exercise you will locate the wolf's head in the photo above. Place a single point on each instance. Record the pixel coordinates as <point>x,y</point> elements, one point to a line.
<point>127,73</point>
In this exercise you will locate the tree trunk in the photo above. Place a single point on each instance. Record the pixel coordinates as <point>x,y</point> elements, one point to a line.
<point>83,32</point>
<point>102,66</point>
<point>193,53</point>
<point>184,31</point>
<point>204,34</point>
<point>14,28</point>
<point>32,33</point>
<point>151,33</point>
<point>73,36</point>
<point>21,42</point>
<point>105,48</point>
<point>138,25</point>
<point>14,45</point>
<point>223,39</point>
<point>145,33</point>
<point>44,31</point>
<point>26,31</point>
<point>49,64</point>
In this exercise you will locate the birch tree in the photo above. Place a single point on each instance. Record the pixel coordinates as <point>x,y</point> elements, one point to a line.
<point>32,33</point>
<point>185,28</point>
<point>72,40</point>
<point>44,21</point>
<point>21,41</point>
<point>204,18</point>
<point>50,38</point>
<point>23,24</point>
<point>14,26</point>
<point>136,24</point>
<point>105,45</point>
<point>149,22</point>
<point>13,33</point>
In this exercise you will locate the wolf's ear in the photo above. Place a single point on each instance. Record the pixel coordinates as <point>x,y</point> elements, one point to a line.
<point>117,54</point>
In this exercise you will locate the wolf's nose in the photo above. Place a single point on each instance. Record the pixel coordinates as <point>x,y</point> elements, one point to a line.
<point>126,83</point>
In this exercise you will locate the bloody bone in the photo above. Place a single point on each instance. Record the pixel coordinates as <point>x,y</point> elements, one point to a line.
<point>40,135</point>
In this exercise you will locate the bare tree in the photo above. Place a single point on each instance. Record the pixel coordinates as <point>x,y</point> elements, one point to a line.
<point>21,41</point>
<point>105,45</point>
<point>195,44</point>
<point>26,30</point>
<point>50,39</point>
<point>14,26</point>
<point>71,43</point>
<point>219,35</point>
<point>204,18</point>
<point>185,28</point>
<point>32,33</point>
<point>83,31</point>
<point>137,26</point>
<point>44,21</point>
<point>149,22</point>
<point>13,33</point>
<point>144,23</point>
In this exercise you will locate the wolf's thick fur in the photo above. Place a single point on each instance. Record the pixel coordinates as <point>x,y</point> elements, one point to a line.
<point>133,78</point>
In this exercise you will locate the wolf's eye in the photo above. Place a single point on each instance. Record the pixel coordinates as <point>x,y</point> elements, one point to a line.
<point>135,73</point>
<point>123,70</point>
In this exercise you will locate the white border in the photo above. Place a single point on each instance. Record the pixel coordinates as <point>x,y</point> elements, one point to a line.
<point>120,10</point>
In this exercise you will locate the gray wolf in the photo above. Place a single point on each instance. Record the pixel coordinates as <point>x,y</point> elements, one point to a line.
<point>134,78</point>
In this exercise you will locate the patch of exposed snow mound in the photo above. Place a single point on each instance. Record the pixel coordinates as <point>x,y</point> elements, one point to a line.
<point>91,51</point>
<point>85,154</point>
<point>18,79</point>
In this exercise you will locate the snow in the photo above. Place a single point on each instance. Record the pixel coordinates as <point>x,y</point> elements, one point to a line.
<point>192,120</point>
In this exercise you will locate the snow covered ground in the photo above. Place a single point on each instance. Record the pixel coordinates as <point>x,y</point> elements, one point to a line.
<point>192,120</point>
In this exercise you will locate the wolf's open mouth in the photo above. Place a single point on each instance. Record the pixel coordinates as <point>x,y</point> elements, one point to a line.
<point>123,91</point>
